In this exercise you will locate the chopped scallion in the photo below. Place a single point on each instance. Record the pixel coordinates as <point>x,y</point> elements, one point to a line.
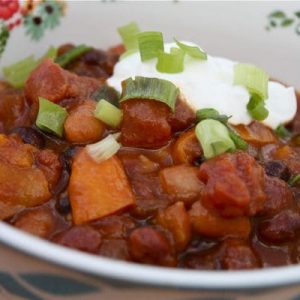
<point>150,44</point>
<point>51,117</point>
<point>214,138</point>
<point>238,141</point>
<point>128,34</point>
<point>17,73</point>
<point>282,132</point>
<point>256,81</point>
<point>294,180</point>
<point>150,88</point>
<point>104,149</point>
<point>253,78</point>
<point>72,54</point>
<point>108,113</point>
<point>211,113</point>
<point>172,62</point>
<point>108,93</point>
<point>193,51</point>
<point>256,109</point>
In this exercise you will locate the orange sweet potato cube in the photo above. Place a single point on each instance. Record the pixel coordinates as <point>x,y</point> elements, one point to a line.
<point>98,189</point>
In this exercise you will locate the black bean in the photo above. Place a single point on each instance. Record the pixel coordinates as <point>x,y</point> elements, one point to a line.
<point>30,136</point>
<point>63,181</point>
<point>277,168</point>
<point>63,205</point>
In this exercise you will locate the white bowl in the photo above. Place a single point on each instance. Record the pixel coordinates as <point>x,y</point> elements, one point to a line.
<point>236,30</point>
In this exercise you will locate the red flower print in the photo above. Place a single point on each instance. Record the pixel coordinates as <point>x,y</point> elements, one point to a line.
<point>8,8</point>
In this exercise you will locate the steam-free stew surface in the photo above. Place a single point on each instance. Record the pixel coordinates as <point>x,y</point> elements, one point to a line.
<point>157,201</point>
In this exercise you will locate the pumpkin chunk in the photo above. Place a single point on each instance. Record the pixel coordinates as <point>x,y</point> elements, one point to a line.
<point>96,189</point>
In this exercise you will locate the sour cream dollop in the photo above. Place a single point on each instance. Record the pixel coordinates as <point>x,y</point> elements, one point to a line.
<point>209,84</point>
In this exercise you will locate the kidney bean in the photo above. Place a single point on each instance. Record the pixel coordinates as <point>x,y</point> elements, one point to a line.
<point>148,245</point>
<point>281,228</point>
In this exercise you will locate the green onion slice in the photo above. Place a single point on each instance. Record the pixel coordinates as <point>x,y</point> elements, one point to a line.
<point>104,149</point>
<point>150,44</point>
<point>108,93</point>
<point>238,141</point>
<point>294,180</point>
<point>150,88</point>
<point>282,132</point>
<point>108,113</point>
<point>256,109</point>
<point>192,51</point>
<point>214,138</point>
<point>51,53</point>
<point>17,73</point>
<point>128,34</point>
<point>72,54</point>
<point>51,117</point>
<point>211,113</point>
<point>253,78</point>
<point>172,62</point>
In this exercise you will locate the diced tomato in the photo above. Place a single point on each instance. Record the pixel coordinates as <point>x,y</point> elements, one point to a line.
<point>234,184</point>
<point>176,220</point>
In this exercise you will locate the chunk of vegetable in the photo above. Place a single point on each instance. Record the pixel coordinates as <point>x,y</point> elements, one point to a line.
<point>108,113</point>
<point>181,182</point>
<point>129,33</point>
<point>192,51</point>
<point>150,43</point>
<point>214,138</point>
<point>39,222</point>
<point>151,89</point>
<point>172,62</point>
<point>176,220</point>
<point>97,189</point>
<point>256,134</point>
<point>72,54</point>
<point>22,186</point>
<point>51,117</point>
<point>209,223</point>
<point>187,149</point>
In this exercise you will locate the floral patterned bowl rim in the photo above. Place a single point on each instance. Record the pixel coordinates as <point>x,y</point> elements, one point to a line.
<point>141,274</point>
